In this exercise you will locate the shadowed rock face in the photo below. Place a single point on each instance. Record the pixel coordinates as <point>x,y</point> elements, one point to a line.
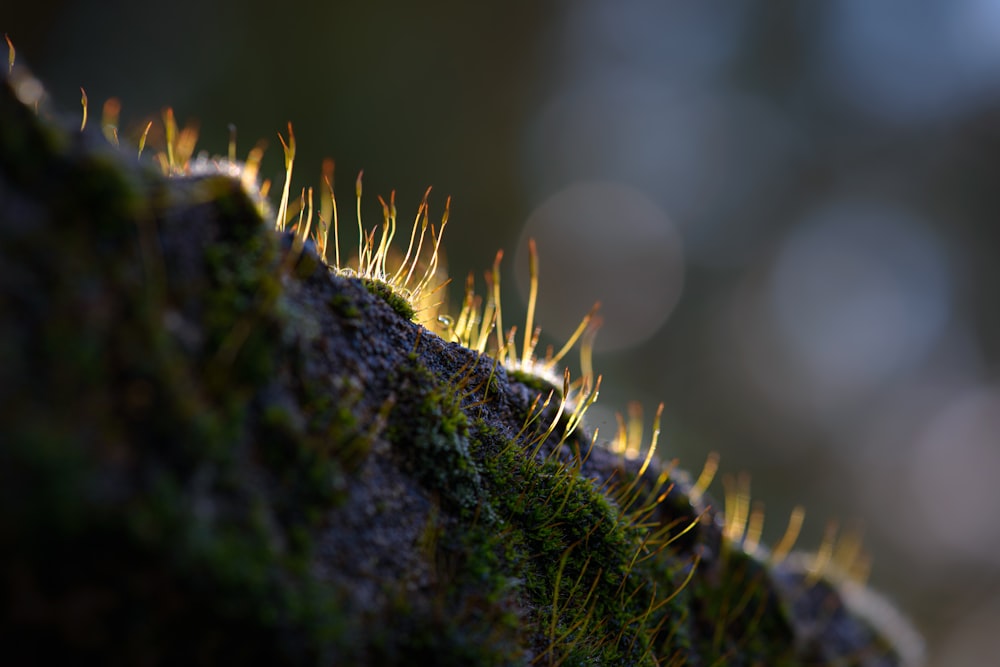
<point>213,450</point>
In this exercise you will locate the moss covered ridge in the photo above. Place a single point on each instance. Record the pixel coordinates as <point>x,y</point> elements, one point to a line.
<point>217,450</point>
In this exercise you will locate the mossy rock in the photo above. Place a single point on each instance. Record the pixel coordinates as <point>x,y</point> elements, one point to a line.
<point>214,450</point>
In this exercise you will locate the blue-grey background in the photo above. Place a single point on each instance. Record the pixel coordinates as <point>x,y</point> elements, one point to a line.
<point>788,209</point>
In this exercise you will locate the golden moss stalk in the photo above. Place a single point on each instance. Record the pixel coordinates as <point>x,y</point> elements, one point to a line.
<point>83,103</point>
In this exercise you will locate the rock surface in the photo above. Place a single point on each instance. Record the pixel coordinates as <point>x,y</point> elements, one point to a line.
<point>214,450</point>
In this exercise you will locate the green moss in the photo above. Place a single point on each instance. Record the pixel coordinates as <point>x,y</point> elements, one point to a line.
<point>576,556</point>
<point>346,307</point>
<point>431,433</point>
<point>470,616</point>
<point>569,549</point>
<point>743,612</point>
<point>433,636</point>
<point>534,382</point>
<point>398,303</point>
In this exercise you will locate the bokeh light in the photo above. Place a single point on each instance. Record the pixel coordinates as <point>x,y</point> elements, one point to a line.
<point>859,292</point>
<point>950,478</point>
<point>906,63</point>
<point>606,242</point>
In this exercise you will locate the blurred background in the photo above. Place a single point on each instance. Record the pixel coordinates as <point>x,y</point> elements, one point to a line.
<point>789,211</point>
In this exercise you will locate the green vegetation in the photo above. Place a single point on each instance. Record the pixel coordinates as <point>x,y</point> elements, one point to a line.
<point>395,301</point>
<point>216,449</point>
<point>535,383</point>
<point>431,433</point>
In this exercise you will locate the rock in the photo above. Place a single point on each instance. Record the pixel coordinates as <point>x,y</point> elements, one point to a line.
<point>213,449</point>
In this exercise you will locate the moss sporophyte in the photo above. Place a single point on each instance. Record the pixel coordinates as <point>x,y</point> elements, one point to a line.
<point>431,491</point>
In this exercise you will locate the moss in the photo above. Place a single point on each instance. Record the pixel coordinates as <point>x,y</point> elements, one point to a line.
<point>470,616</point>
<point>576,555</point>
<point>346,307</point>
<point>534,382</point>
<point>433,637</point>
<point>398,303</point>
<point>431,433</point>
<point>738,608</point>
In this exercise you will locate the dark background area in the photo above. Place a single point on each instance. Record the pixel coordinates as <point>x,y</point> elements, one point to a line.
<point>788,211</point>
